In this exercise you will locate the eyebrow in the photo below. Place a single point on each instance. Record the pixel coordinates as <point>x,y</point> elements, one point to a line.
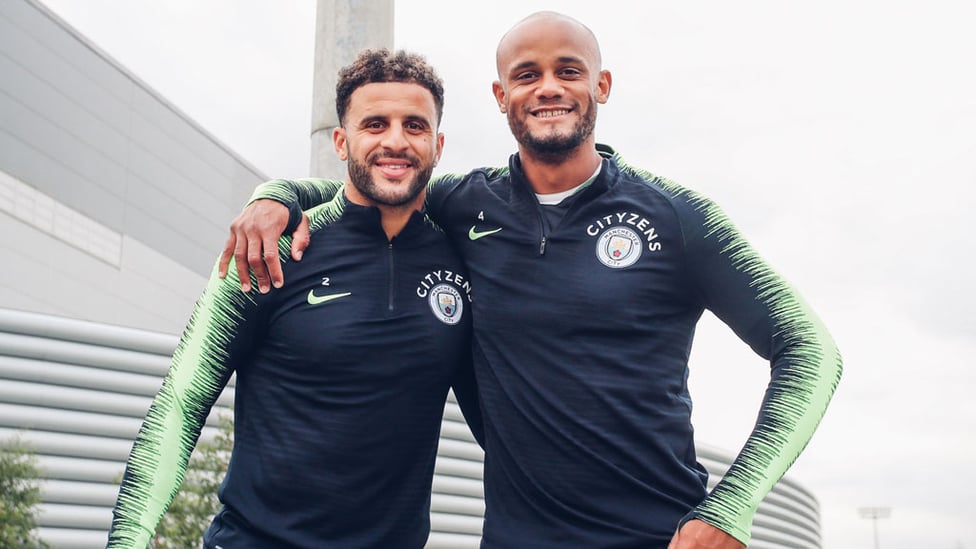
<point>418,118</point>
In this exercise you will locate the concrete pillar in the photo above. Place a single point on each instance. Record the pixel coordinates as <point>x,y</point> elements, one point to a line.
<point>342,29</point>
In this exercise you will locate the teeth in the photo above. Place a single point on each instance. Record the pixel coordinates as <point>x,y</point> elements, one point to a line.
<point>550,114</point>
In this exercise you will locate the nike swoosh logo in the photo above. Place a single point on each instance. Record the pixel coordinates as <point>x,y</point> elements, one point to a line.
<point>474,234</point>
<point>318,299</point>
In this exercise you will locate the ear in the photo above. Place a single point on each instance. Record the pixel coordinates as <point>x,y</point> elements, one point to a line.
<point>339,142</point>
<point>440,148</point>
<point>499,92</point>
<point>604,81</point>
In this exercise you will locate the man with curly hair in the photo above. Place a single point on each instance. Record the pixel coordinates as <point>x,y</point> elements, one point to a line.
<point>342,375</point>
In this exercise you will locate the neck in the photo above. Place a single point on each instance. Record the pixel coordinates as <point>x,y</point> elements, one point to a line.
<point>394,218</point>
<point>548,176</point>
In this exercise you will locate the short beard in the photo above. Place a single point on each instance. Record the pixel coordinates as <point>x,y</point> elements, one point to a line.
<point>553,149</point>
<point>361,179</point>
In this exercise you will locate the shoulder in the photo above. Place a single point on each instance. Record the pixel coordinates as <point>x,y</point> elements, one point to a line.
<point>699,217</point>
<point>453,180</point>
<point>635,179</point>
<point>464,186</point>
<point>326,213</point>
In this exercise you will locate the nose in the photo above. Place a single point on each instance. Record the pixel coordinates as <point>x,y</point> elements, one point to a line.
<point>395,138</point>
<point>549,86</point>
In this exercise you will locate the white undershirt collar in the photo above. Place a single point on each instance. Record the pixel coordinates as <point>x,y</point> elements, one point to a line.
<point>556,198</point>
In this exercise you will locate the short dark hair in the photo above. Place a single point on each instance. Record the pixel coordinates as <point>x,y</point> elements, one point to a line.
<point>380,65</point>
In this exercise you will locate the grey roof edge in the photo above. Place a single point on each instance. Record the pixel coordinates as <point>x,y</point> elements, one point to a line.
<point>39,6</point>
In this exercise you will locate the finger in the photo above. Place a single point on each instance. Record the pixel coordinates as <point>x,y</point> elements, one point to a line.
<point>240,260</point>
<point>255,260</point>
<point>225,255</point>
<point>272,263</point>
<point>300,239</point>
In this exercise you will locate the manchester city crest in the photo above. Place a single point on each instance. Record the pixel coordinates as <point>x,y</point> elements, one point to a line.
<point>446,303</point>
<point>618,247</point>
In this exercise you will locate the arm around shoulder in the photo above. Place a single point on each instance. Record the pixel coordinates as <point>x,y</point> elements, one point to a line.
<point>304,193</point>
<point>275,208</point>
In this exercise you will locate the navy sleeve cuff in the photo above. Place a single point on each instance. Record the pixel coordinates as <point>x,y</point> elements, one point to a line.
<point>294,218</point>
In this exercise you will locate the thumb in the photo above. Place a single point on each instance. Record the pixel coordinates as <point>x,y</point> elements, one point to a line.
<point>300,239</point>
<point>675,540</point>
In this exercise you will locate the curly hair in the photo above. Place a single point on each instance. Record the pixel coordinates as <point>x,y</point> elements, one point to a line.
<point>381,65</point>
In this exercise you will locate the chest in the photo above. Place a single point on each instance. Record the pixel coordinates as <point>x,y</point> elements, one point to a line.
<point>611,256</point>
<point>370,311</point>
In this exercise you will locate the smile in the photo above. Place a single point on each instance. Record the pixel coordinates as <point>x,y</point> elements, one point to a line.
<point>550,114</point>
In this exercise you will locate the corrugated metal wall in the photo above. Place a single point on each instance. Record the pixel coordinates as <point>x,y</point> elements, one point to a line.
<point>81,390</point>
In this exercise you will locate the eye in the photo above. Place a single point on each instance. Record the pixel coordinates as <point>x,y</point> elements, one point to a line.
<point>527,75</point>
<point>374,125</point>
<point>570,73</point>
<point>415,126</point>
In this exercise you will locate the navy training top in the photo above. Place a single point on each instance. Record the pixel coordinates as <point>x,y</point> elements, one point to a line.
<point>342,376</point>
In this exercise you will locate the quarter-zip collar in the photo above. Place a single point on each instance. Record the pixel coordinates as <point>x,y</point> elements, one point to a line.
<point>526,203</point>
<point>525,195</point>
<point>368,221</point>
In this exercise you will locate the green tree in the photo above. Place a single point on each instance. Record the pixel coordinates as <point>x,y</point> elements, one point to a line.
<point>20,494</point>
<point>196,503</point>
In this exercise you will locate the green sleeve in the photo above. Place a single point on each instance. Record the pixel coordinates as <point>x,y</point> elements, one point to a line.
<point>805,363</point>
<point>302,194</point>
<point>766,312</point>
<point>305,193</point>
<point>203,362</point>
<point>802,381</point>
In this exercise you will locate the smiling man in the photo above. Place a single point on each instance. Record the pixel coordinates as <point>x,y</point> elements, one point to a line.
<point>591,276</point>
<point>342,375</point>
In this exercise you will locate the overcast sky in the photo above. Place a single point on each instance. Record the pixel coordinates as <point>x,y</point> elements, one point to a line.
<point>840,136</point>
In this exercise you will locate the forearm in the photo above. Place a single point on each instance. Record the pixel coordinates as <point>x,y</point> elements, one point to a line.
<point>767,313</point>
<point>154,472</point>
<point>158,460</point>
<point>305,193</point>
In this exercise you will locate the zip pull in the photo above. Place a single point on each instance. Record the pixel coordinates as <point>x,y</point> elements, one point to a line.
<point>542,246</point>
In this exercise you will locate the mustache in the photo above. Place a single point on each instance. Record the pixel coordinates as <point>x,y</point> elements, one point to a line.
<point>393,155</point>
